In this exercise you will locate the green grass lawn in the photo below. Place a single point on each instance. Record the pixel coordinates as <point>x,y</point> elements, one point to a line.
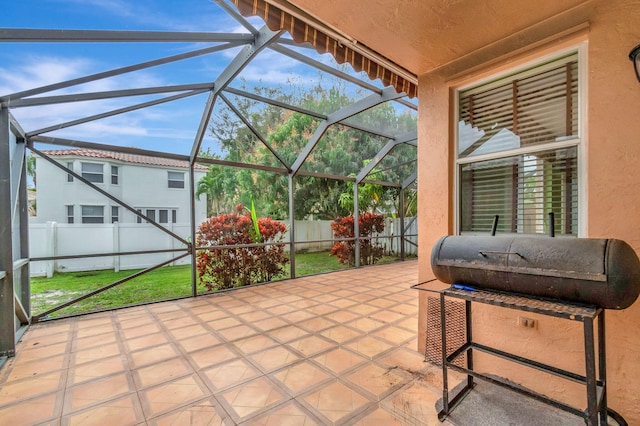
<point>165,283</point>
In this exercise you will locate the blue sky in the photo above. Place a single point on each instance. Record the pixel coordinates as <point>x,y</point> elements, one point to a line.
<point>170,127</point>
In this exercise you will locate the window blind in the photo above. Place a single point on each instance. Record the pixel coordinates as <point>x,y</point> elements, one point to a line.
<point>522,190</point>
<point>521,111</point>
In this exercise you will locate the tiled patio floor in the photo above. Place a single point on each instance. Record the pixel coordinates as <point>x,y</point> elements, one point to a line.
<point>338,348</point>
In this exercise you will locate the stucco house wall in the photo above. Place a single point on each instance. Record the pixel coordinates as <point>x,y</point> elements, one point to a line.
<point>140,185</point>
<point>610,203</point>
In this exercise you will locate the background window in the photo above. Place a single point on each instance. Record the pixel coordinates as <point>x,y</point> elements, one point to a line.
<point>176,180</point>
<point>151,214</point>
<point>518,151</point>
<point>114,175</point>
<point>163,216</point>
<point>92,172</point>
<point>115,214</point>
<point>70,167</point>
<point>69,214</point>
<point>92,214</point>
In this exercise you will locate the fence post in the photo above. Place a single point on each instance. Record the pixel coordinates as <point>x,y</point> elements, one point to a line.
<point>51,243</point>
<point>116,246</point>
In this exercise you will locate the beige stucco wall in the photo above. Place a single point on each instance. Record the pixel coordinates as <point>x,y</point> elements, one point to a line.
<point>612,178</point>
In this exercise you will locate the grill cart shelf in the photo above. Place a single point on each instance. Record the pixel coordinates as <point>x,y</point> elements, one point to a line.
<point>594,379</point>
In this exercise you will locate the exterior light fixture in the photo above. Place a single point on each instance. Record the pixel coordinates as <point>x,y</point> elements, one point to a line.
<point>634,56</point>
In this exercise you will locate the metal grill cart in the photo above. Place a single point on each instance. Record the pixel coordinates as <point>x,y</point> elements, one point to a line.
<point>574,279</point>
<point>594,380</point>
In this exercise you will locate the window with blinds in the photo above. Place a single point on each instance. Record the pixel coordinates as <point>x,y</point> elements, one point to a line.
<point>518,150</point>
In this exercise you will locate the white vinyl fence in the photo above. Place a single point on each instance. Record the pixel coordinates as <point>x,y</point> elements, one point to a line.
<point>60,239</point>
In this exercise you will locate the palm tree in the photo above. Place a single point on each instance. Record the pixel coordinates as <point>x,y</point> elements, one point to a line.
<point>31,168</point>
<point>212,185</point>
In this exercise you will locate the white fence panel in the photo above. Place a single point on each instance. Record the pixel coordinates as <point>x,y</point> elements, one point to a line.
<point>61,239</point>
<point>140,237</point>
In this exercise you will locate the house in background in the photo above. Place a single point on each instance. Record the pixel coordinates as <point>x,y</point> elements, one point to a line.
<point>158,187</point>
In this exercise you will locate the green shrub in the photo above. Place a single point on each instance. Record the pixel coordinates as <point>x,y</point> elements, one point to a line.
<point>222,268</point>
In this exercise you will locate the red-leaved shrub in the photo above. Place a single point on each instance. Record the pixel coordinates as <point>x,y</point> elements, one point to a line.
<point>370,251</point>
<point>222,268</point>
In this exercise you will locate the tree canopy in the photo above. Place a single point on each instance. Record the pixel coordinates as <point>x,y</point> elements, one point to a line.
<point>342,151</point>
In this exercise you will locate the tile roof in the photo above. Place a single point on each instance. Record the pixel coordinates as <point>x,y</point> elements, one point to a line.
<point>125,157</point>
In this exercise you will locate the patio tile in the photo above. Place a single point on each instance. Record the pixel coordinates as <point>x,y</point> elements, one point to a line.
<point>406,359</point>
<point>274,358</point>
<point>311,345</point>
<point>32,411</point>
<point>123,411</point>
<point>200,413</point>
<point>212,356</point>
<point>414,404</point>
<point>155,339</point>
<point>298,316</point>
<point>336,401</point>
<point>317,324</point>
<point>253,316</point>
<point>339,360</point>
<point>144,330</point>
<point>289,414</point>
<point>292,354</point>
<point>12,392</point>
<point>95,330</point>
<point>180,323</point>
<point>301,377</point>
<point>365,324</point>
<point>100,391</point>
<point>237,333</point>
<point>38,367</point>
<point>188,331</point>
<point>341,333</point>
<point>41,352</point>
<point>377,380</point>
<point>342,316</point>
<point>212,314</point>
<point>395,335</point>
<point>151,355</point>
<point>222,323</point>
<point>286,334</point>
<point>380,417</point>
<point>369,346</point>
<point>251,397</point>
<point>269,323</point>
<point>161,372</point>
<point>254,344</point>
<point>281,309</point>
<point>95,353</point>
<point>230,373</point>
<point>92,341</point>
<point>53,330</point>
<point>195,343</point>
<point>169,396</point>
<point>96,369</point>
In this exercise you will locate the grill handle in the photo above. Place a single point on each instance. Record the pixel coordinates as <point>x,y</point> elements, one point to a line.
<point>484,253</point>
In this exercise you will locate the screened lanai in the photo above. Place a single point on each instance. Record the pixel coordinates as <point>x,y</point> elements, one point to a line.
<point>234,113</point>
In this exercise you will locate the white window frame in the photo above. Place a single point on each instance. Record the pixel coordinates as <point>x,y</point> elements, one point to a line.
<point>115,175</point>
<point>69,175</point>
<point>83,216</point>
<point>172,213</point>
<point>86,174</point>
<point>70,213</point>
<point>580,142</point>
<point>169,180</point>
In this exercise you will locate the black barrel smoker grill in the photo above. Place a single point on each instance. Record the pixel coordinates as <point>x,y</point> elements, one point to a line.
<point>571,278</point>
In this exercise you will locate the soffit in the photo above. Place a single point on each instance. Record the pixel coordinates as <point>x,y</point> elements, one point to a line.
<point>421,35</point>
